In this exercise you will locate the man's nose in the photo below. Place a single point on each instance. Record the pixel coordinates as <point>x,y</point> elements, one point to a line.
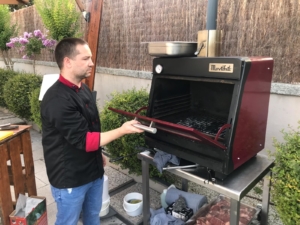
<point>91,63</point>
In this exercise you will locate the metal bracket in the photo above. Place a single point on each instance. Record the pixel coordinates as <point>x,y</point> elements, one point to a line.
<point>180,167</point>
<point>210,178</point>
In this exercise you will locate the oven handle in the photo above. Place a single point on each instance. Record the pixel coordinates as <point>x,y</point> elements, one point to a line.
<point>149,129</point>
<point>225,126</point>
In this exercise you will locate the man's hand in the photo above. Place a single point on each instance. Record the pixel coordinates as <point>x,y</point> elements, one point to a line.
<point>128,128</point>
<point>103,160</point>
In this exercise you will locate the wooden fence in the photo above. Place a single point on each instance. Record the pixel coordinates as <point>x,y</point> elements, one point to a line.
<point>250,27</point>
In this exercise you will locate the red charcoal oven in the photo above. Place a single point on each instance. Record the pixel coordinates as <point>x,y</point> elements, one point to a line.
<point>210,111</point>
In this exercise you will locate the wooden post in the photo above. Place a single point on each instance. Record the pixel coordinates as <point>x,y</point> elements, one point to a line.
<point>93,36</point>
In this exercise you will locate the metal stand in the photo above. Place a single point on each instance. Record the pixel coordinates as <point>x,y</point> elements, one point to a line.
<point>236,186</point>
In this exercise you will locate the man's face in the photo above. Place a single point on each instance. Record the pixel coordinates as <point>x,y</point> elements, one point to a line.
<point>82,63</point>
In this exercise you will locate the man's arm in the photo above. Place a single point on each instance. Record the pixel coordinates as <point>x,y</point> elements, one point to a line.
<point>126,128</point>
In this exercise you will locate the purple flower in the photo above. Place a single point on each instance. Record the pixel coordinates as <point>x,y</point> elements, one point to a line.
<point>14,40</point>
<point>44,37</point>
<point>38,33</point>
<point>26,35</point>
<point>23,41</point>
<point>25,57</point>
<point>49,43</point>
<point>10,44</point>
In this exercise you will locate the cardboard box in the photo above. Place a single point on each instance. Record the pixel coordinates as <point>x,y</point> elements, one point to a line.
<point>38,215</point>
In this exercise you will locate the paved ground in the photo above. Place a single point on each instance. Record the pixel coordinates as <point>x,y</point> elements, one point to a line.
<point>120,183</point>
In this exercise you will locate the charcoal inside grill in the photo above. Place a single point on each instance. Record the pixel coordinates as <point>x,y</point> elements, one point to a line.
<point>204,122</point>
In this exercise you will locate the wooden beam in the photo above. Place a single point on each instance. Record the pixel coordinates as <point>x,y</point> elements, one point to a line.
<point>93,36</point>
<point>14,2</point>
<point>80,5</point>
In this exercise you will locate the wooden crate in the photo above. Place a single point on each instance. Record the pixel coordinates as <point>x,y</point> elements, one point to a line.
<point>21,177</point>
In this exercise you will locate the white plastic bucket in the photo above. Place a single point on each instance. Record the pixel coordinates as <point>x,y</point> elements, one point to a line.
<point>105,195</point>
<point>105,208</point>
<point>133,209</point>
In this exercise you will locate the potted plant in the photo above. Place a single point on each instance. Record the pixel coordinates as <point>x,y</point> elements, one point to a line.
<point>31,45</point>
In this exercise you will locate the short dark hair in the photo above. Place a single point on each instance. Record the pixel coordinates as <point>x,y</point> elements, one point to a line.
<point>67,48</point>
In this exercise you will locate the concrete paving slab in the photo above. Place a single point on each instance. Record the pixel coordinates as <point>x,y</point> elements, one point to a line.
<point>52,210</point>
<point>51,213</point>
<point>37,155</point>
<point>42,176</point>
<point>116,202</point>
<point>46,192</point>
<point>6,117</point>
<point>39,183</point>
<point>108,221</point>
<point>39,166</point>
<point>112,221</point>
<point>116,178</point>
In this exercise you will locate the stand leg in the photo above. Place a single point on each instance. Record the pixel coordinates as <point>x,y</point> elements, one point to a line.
<point>184,185</point>
<point>234,212</point>
<point>266,198</point>
<point>145,190</point>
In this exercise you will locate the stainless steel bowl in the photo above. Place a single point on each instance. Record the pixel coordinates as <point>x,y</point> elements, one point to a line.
<point>172,49</point>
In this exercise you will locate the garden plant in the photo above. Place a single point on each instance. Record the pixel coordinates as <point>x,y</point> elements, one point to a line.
<point>31,44</point>
<point>286,177</point>
<point>60,17</point>
<point>7,30</point>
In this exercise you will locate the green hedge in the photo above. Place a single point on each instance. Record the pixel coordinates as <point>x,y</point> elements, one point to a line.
<point>35,107</point>
<point>129,101</point>
<point>286,177</point>
<point>4,76</point>
<point>17,91</point>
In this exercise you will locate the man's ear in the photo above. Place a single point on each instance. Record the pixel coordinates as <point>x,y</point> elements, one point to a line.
<point>67,62</point>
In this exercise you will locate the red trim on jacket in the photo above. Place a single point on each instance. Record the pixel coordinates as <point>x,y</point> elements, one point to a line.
<point>92,141</point>
<point>68,83</point>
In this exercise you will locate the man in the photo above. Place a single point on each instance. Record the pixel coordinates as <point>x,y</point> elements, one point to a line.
<point>71,137</point>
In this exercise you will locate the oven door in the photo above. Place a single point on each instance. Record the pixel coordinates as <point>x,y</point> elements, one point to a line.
<point>176,129</point>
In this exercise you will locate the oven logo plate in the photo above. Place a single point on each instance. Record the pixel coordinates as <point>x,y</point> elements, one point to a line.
<point>221,67</point>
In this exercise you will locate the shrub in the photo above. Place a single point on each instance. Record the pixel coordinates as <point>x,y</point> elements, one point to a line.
<point>129,101</point>
<point>17,91</point>
<point>286,177</point>
<point>6,32</point>
<point>60,17</point>
<point>35,107</point>
<point>4,76</point>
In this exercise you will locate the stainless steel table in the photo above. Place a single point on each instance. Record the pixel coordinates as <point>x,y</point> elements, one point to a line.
<point>235,186</point>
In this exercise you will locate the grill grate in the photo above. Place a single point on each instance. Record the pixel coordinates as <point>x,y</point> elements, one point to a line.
<point>204,122</point>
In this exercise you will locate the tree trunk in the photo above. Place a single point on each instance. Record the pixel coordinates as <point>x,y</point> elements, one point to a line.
<point>7,60</point>
<point>34,65</point>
